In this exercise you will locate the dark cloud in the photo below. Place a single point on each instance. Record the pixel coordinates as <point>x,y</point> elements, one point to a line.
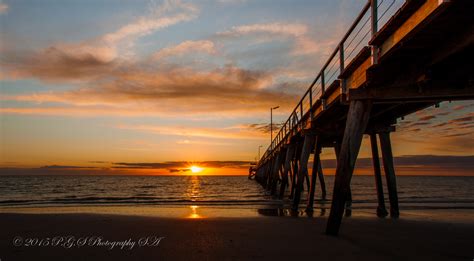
<point>441,124</point>
<point>427,118</point>
<point>462,107</point>
<point>155,88</point>
<point>464,119</point>
<point>263,127</point>
<point>55,64</point>
<point>181,166</point>
<point>64,167</point>
<point>417,161</point>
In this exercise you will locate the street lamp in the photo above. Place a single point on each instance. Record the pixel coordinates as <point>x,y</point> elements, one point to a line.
<point>271,124</point>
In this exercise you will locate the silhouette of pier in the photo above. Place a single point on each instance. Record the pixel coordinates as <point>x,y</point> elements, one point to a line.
<point>393,61</point>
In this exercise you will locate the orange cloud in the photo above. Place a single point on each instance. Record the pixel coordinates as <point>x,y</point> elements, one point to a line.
<point>213,133</point>
<point>185,47</point>
<point>3,8</point>
<point>168,91</point>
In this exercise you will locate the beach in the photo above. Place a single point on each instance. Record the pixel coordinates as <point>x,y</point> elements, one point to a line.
<point>429,235</point>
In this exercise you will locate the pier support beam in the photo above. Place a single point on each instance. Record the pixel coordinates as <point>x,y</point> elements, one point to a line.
<point>337,149</point>
<point>303,169</point>
<point>290,151</point>
<point>321,181</point>
<point>356,123</point>
<point>275,175</point>
<point>315,172</point>
<point>295,167</point>
<point>381,210</point>
<point>387,157</point>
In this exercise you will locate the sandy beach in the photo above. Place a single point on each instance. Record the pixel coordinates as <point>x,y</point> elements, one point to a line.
<point>411,237</point>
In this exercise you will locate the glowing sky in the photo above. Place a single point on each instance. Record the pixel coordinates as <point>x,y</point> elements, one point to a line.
<point>88,83</point>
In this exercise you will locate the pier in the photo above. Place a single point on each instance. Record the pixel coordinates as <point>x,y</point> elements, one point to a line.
<point>391,62</point>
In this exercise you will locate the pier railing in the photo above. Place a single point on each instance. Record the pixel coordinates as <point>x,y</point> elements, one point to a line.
<point>373,16</point>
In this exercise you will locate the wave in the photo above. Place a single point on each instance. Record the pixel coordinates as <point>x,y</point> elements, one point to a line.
<point>144,200</point>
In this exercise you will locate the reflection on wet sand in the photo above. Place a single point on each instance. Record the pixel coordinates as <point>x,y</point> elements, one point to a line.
<point>287,211</point>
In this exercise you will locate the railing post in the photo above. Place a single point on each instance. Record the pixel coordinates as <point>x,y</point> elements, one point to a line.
<point>323,87</point>
<point>374,16</point>
<point>311,102</point>
<point>374,25</point>
<point>301,111</point>
<point>341,56</point>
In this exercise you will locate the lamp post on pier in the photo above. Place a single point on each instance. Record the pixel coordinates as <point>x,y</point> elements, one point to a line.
<point>271,125</point>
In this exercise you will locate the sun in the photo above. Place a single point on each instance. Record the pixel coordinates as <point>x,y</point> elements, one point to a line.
<point>195,169</point>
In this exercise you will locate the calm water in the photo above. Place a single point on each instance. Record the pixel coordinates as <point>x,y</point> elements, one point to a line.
<point>414,192</point>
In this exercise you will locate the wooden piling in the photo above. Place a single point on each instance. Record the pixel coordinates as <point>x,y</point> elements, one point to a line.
<point>314,173</point>
<point>356,123</point>
<point>295,169</point>
<point>337,149</point>
<point>303,169</point>
<point>290,151</point>
<point>269,176</point>
<point>321,180</point>
<point>387,158</point>
<point>381,210</point>
<point>275,173</point>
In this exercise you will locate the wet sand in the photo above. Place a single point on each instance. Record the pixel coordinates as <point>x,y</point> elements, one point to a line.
<point>412,237</point>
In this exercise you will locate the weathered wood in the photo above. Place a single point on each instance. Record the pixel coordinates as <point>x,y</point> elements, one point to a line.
<point>381,210</point>
<point>275,173</point>
<point>303,169</point>
<point>290,151</point>
<point>321,181</point>
<point>387,157</point>
<point>295,168</point>
<point>293,177</point>
<point>306,177</point>
<point>314,173</point>
<point>337,149</point>
<point>358,116</point>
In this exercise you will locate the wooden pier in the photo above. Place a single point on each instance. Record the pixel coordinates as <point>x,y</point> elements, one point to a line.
<point>421,55</point>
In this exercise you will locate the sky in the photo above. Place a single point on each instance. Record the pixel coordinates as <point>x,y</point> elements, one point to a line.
<point>158,86</point>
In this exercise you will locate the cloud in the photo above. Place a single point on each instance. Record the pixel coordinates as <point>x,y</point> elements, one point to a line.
<point>443,162</point>
<point>261,127</point>
<point>464,119</point>
<point>408,165</point>
<point>296,32</point>
<point>231,1</point>
<point>60,63</point>
<point>212,133</point>
<point>285,29</point>
<point>186,47</point>
<point>64,167</point>
<point>463,106</point>
<point>427,118</point>
<point>3,8</point>
<point>182,166</point>
<point>94,57</point>
<point>170,13</point>
<point>169,91</point>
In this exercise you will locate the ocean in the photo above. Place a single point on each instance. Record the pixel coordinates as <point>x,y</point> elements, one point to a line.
<point>415,192</point>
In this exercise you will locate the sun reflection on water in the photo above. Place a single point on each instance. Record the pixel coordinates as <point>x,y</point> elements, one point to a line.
<point>194,214</point>
<point>193,191</point>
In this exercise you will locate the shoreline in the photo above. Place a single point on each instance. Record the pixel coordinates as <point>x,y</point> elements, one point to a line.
<point>223,238</point>
<point>447,215</point>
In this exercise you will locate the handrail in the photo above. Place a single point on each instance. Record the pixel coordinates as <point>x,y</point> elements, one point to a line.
<point>293,121</point>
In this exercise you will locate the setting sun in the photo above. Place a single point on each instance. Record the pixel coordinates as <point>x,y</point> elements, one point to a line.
<point>195,169</point>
